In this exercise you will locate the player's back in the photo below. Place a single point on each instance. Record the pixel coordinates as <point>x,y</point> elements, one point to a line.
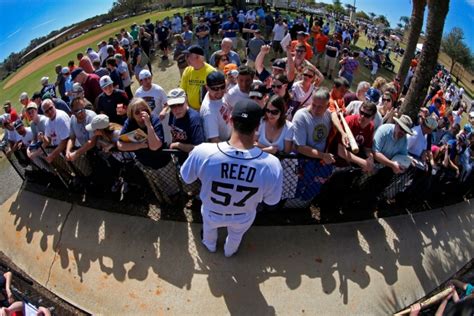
<point>233,180</point>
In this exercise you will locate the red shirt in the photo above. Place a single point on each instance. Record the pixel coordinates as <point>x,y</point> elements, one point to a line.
<point>86,65</point>
<point>13,115</point>
<point>91,87</point>
<point>363,136</point>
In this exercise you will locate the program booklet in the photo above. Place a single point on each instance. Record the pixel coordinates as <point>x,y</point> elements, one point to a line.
<point>136,136</point>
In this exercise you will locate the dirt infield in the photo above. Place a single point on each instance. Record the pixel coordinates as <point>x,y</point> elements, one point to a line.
<point>46,58</point>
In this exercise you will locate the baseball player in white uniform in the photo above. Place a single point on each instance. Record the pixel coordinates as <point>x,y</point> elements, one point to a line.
<point>235,177</point>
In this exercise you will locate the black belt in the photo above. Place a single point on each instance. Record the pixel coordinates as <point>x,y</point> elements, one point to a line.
<point>226,214</point>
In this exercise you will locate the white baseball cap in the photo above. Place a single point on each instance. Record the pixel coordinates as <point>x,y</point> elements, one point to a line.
<point>144,74</point>
<point>65,70</point>
<point>100,121</point>
<point>23,96</point>
<point>176,96</point>
<point>105,81</point>
<point>44,80</point>
<point>471,114</point>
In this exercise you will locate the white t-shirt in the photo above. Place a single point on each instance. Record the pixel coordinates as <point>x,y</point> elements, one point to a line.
<point>234,95</point>
<point>28,137</point>
<point>279,32</point>
<point>416,142</point>
<point>155,97</point>
<point>13,136</point>
<point>233,180</point>
<point>301,96</point>
<point>59,128</point>
<point>457,117</point>
<point>285,135</point>
<point>215,116</point>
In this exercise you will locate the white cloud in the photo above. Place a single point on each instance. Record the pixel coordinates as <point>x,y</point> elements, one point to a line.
<point>42,24</point>
<point>14,33</point>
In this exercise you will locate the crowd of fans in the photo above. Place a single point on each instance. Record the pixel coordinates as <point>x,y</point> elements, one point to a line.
<point>91,109</point>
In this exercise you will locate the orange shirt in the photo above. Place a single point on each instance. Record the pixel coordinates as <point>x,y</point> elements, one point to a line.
<point>121,51</point>
<point>333,101</point>
<point>321,41</point>
<point>309,49</point>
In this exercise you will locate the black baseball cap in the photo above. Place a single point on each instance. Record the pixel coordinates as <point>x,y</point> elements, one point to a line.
<point>36,95</point>
<point>279,63</point>
<point>247,110</point>
<point>258,89</point>
<point>76,72</point>
<point>194,49</point>
<point>215,78</point>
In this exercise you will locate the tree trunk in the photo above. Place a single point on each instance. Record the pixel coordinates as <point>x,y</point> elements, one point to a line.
<point>438,9</point>
<point>416,23</point>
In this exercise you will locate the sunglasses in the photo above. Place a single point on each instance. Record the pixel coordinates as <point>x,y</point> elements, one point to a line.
<point>365,114</point>
<point>300,51</point>
<point>386,100</point>
<point>217,88</point>
<point>277,86</point>
<point>272,112</point>
<point>79,111</point>
<point>308,75</point>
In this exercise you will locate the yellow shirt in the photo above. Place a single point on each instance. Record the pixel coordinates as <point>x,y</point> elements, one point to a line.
<point>193,81</point>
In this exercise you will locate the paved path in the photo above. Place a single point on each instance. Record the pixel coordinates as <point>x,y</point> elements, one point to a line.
<point>108,263</point>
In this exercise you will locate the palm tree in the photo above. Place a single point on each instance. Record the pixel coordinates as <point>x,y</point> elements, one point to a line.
<point>416,23</point>
<point>405,20</point>
<point>437,11</point>
<point>372,15</point>
<point>382,19</point>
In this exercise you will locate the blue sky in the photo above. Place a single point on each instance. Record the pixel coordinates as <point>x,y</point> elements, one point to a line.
<point>23,20</point>
<point>461,13</point>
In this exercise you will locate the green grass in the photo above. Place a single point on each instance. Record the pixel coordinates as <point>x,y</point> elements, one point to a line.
<point>31,83</point>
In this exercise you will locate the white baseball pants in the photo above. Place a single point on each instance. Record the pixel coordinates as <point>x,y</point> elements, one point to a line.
<point>237,225</point>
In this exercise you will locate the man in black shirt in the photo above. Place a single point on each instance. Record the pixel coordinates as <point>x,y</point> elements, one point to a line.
<point>114,73</point>
<point>163,34</point>
<point>112,102</point>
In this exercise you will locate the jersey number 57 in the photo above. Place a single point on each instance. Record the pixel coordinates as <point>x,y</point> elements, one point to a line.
<point>223,197</point>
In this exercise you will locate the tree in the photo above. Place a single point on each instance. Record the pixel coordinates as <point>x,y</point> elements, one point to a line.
<point>400,25</point>
<point>437,11</point>
<point>405,20</point>
<point>416,23</point>
<point>382,19</point>
<point>362,15</point>
<point>372,15</point>
<point>453,45</point>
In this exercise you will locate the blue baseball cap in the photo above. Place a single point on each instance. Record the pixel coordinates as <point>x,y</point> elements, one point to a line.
<point>372,95</point>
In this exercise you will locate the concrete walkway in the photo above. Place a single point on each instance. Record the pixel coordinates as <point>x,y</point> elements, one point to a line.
<point>112,264</point>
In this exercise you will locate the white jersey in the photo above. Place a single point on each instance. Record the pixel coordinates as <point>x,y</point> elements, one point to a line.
<point>233,181</point>
<point>215,116</point>
<point>28,137</point>
<point>155,97</point>
<point>59,128</point>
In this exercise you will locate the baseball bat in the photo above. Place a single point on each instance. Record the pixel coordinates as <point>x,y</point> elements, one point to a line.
<point>352,141</point>
<point>433,299</point>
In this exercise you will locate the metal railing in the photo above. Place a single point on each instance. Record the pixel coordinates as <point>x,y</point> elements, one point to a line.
<point>307,182</point>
